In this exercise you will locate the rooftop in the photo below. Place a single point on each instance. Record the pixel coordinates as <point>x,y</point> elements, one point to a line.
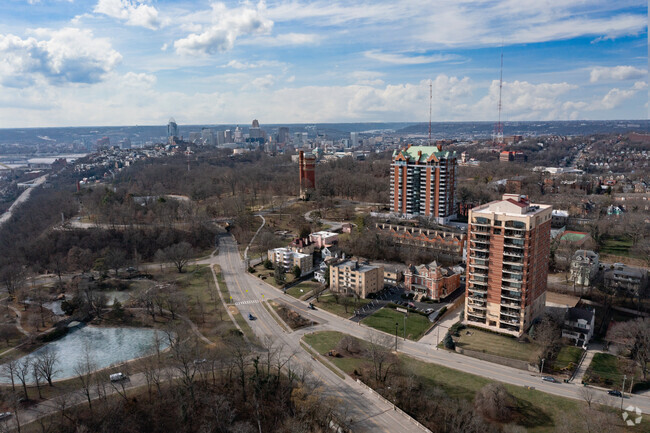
<point>423,153</point>
<point>511,204</point>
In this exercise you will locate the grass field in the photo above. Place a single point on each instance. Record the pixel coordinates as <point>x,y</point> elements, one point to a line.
<point>302,289</point>
<point>268,275</point>
<point>540,411</point>
<point>386,318</point>
<point>495,344</point>
<point>604,370</point>
<point>328,303</point>
<point>569,356</point>
<point>617,246</point>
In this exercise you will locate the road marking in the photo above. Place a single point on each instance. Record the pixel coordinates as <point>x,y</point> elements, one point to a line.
<point>253,301</point>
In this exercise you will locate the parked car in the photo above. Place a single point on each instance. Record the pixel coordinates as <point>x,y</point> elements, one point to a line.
<point>5,415</point>
<point>549,379</point>
<point>251,317</point>
<point>615,393</point>
<point>116,377</point>
<point>311,306</point>
<point>428,311</point>
<point>411,304</point>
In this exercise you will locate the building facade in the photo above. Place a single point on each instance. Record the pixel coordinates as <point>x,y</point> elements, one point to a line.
<point>307,174</point>
<point>626,279</point>
<point>287,258</point>
<point>507,264</point>
<point>578,325</point>
<point>354,277</point>
<point>423,183</point>
<point>447,242</point>
<point>431,281</point>
<point>584,267</point>
<point>324,239</point>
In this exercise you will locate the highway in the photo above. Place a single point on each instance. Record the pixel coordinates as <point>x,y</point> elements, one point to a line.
<point>245,287</point>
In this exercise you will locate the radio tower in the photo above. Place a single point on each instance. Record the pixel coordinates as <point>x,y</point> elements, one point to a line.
<point>430,101</point>
<point>498,127</point>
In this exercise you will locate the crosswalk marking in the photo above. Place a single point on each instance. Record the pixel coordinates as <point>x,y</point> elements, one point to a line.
<point>254,301</point>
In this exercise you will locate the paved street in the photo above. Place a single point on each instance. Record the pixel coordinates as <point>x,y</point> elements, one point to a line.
<point>239,281</point>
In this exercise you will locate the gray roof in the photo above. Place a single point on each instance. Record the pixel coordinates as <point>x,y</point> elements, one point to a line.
<point>576,313</point>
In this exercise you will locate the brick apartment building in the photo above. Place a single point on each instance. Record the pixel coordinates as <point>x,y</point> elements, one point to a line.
<point>432,281</point>
<point>447,242</point>
<point>507,264</point>
<point>423,182</point>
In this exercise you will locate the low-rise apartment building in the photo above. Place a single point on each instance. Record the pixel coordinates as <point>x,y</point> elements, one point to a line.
<point>584,267</point>
<point>287,258</point>
<point>626,278</point>
<point>446,241</point>
<point>324,239</point>
<point>355,277</point>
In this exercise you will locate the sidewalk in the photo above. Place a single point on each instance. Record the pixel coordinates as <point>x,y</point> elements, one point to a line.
<point>438,332</point>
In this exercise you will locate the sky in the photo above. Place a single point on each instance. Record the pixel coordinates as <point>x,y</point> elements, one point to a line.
<point>140,62</point>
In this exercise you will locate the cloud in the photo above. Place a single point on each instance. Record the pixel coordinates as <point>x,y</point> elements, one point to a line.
<point>227,25</point>
<point>264,82</point>
<point>401,59</point>
<point>616,73</point>
<point>68,55</point>
<point>285,39</point>
<point>138,80</point>
<point>134,12</point>
<point>236,64</point>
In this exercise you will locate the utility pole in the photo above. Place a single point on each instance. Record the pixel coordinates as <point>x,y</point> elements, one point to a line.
<point>623,391</point>
<point>438,339</point>
<point>405,324</point>
<point>541,368</point>
<point>396,326</point>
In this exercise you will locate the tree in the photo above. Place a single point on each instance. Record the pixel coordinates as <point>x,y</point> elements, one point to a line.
<point>6,332</point>
<point>383,361</point>
<point>588,394</point>
<point>296,271</point>
<point>279,275</point>
<point>179,254</point>
<point>635,336</point>
<point>9,369</point>
<point>114,259</point>
<point>494,402</point>
<point>46,361</point>
<point>547,333</point>
<point>23,370</point>
<point>84,370</point>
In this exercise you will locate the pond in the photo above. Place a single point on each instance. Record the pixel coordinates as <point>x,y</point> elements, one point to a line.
<point>107,346</point>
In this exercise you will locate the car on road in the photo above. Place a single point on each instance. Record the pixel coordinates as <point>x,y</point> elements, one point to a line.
<point>311,306</point>
<point>428,311</point>
<point>615,393</point>
<point>251,317</point>
<point>549,379</point>
<point>117,377</point>
<point>5,415</point>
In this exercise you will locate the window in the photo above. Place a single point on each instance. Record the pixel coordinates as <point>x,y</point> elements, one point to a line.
<point>497,223</point>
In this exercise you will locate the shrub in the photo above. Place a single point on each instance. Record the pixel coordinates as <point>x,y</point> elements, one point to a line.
<point>448,342</point>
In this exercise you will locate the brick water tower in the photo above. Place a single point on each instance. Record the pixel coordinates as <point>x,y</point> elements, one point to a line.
<point>307,174</point>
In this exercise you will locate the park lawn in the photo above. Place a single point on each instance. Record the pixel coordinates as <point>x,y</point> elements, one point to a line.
<point>495,344</point>
<point>386,318</point>
<point>327,302</point>
<point>301,289</point>
<point>568,357</point>
<point>616,246</point>
<point>539,411</point>
<point>607,370</point>
<point>268,274</point>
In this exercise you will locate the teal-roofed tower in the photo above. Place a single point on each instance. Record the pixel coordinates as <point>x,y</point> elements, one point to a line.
<point>423,183</point>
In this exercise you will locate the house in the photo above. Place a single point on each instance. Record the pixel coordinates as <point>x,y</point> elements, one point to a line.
<point>559,218</point>
<point>431,281</point>
<point>626,278</point>
<point>584,267</point>
<point>324,239</point>
<point>302,245</point>
<point>393,272</point>
<point>578,325</point>
<point>287,258</point>
<point>329,252</point>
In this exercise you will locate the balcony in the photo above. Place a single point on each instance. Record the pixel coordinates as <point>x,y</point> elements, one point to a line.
<point>477,290</point>
<point>510,321</point>
<point>510,295</point>
<point>480,230</point>
<point>515,234</point>
<point>480,249</point>
<point>512,261</point>
<point>475,313</point>
<point>476,319</point>
<point>509,304</point>
<point>508,313</point>
<point>512,254</point>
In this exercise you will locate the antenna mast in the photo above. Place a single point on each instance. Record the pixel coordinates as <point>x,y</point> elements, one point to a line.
<point>498,127</point>
<point>430,103</point>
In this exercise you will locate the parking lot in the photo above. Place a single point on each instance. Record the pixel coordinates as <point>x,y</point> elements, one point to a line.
<point>394,295</point>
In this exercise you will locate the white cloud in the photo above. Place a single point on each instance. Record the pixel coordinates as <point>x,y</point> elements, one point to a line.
<point>134,12</point>
<point>227,25</point>
<point>285,39</point>
<point>68,55</point>
<point>402,59</point>
<point>236,64</point>
<point>138,80</point>
<point>264,82</point>
<point>616,73</point>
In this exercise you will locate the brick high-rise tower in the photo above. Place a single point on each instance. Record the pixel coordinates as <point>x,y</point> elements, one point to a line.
<point>423,182</point>
<point>508,250</point>
<point>307,174</point>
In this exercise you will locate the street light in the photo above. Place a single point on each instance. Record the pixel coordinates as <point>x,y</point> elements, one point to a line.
<point>623,391</point>
<point>407,312</point>
<point>396,326</point>
<point>541,368</point>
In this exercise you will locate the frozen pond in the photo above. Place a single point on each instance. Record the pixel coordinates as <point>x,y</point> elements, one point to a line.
<point>107,346</point>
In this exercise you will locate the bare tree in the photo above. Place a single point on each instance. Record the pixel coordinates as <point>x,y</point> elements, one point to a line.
<point>23,371</point>
<point>635,336</point>
<point>46,361</point>
<point>9,370</point>
<point>84,370</point>
<point>36,374</point>
<point>588,394</point>
<point>179,254</point>
<point>494,402</point>
<point>383,361</point>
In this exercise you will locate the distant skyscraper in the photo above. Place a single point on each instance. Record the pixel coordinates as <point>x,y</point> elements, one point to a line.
<point>354,139</point>
<point>208,137</point>
<point>507,264</point>
<point>238,136</point>
<point>172,128</point>
<point>283,135</point>
<point>125,143</point>
<point>423,182</point>
<point>103,143</point>
<point>255,133</point>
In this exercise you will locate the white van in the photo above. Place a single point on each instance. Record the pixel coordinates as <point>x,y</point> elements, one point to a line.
<point>116,377</point>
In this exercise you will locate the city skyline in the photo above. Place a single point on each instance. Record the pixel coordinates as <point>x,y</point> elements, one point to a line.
<point>118,62</point>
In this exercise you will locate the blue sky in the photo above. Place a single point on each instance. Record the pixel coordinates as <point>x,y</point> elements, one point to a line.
<point>126,62</point>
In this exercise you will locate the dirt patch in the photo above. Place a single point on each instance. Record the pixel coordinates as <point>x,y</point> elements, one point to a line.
<point>292,318</point>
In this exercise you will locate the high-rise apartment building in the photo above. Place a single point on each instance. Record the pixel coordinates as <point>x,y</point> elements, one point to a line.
<point>307,174</point>
<point>172,128</point>
<point>423,182</point>
<point>507,264</point>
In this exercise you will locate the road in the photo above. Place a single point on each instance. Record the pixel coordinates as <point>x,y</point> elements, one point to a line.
<point>22,198</point>
<point>366,412</point>
<point>245,287</point>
